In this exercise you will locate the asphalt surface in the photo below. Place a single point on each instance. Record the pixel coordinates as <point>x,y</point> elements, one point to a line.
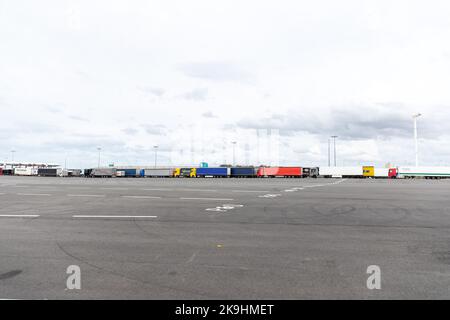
<point>224,238</point>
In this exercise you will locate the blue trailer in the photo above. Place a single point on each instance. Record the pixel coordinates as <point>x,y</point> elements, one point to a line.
<point>213,172</point>
<point>127,172</point>
<point>248,172</point>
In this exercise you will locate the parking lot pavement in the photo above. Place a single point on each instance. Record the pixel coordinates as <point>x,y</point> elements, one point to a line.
<point>224,238</point>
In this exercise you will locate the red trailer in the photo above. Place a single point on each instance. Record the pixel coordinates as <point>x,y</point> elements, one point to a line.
<point>291,172</point>
<point>1,171</point>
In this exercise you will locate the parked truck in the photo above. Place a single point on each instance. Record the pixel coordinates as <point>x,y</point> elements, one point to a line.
<point>424,172</point>
<point>157,172</point>
<point>287,172</point>
<point>243,172</point>
<point>213,172</point>
<point>26,171</point>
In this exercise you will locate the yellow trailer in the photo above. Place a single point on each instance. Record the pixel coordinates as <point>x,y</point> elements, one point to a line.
<point>369,171</point>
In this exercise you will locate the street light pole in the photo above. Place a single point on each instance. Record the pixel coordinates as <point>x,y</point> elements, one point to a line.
<point>156,154</point>
<point>329,153</point>
<point>415,138</point>
<point>234,152</point>
<point>334,141</point>
<point>99,149</point>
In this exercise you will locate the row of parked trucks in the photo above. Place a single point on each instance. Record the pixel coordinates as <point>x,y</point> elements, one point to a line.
<point>272,172</point>
<point>241,172</point>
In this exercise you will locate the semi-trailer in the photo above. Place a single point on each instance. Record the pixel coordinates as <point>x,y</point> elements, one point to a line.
<point>49,172</point>
<point>243,172</point>
<point>162,172</point>
<point>424,172</point>
<point>213,172</point>
<point>341,172</point>
<point>130,173</point>
<point>103,172</point>
<point>272,172</point>
<point>26,171</point>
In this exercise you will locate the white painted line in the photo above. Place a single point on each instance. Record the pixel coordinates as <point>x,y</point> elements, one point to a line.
<point>114,188</point>
<point>250,191</point>
<point>34,194</point>
<point>141,197</point>
<point>203,190</point>
<point>81,216</point>
<point>158,189</point>
<point>86,195</point>
<point>207,199</point>
<point>19,215</point>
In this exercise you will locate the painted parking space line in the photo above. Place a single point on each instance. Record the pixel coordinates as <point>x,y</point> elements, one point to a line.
<point>86,195</point>
<point>262,191</point>
<point>34,194</point>
<point>141,197</point>
<point>201,190</point>
<point>112,217</point>
<point>215,199</point>
<point>19,215</point>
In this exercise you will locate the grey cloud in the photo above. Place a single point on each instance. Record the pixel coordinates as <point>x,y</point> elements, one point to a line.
<point>209,114</point>
<point>78,118</point>
<point>215,71</point>
<point>159,92</point>
<point>155,129</point>
<point>357,123</point>
<point>130,131</point>
<point>199,94</point>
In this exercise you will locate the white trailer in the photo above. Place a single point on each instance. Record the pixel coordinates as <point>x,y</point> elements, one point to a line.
<point>168,172</point>
<point>26,171</point>
<point>341,172</point>
<point>424,172</point>
<point>381,172</point>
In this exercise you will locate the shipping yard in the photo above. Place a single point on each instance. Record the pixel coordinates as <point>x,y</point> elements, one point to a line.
<point>166,238</point>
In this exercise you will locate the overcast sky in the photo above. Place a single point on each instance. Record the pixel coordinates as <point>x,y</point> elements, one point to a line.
<point>278,77</point>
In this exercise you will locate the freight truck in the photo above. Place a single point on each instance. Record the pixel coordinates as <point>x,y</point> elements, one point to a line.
<point>213,172</point>
<point>341,172</point>
<point>424,172</point>
<point>185,172</point>
<point>243,172</point>
<point>49,172</point>
<point>26,171</point>
<point>103,172</point>
<point>286,172</point>
<point>154,173</point>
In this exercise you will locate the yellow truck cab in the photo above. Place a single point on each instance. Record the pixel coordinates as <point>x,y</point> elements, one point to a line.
<point>369,171</point>
<point>185,172</point>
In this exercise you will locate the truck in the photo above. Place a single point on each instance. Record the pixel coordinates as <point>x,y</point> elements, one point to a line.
<point>310,172</point>
<point>185,172</point>
<point>161,172</point>
<point>287,172</point>
<point>424,172</point>
<point>103,172</point>
<point>130,173</point>
<point>341,172</point>
<point>243,172</point>
<point>49,172</point>
<point>25,171</point>
<point>213,172</point>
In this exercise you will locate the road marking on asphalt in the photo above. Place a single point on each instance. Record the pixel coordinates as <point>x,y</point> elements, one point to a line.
<point>250,191</point>
<point>225,207</point>
<point>218,199</point>
<point>86,195</point>
<point>141,197</point>
<point>270,196</point>
<point>161,189</point>
<point>19,215</point>
<point>203,190</point>
<point>114,188</point>
<point>34,194</point>
<point>111,216</point>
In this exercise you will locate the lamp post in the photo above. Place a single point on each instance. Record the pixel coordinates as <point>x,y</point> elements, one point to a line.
<point>329,152</point>
<point>99,149</point>
<point>156,153</point>
<point>416,142</point>
<point>234,152</point>
<point>334,142</point>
